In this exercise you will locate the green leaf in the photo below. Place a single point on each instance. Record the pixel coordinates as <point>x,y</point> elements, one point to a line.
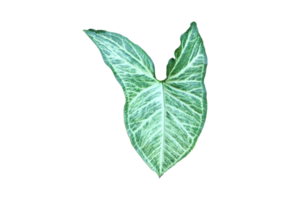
<point>163,118</point>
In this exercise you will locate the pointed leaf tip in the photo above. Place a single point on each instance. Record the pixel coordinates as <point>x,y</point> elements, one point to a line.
<point>84,30</point>
<point>193,21</point>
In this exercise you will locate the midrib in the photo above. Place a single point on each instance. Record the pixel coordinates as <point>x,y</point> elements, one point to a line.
<point>163,127</point>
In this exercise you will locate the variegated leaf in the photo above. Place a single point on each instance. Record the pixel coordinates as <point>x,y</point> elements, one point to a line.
<point>163,118</point>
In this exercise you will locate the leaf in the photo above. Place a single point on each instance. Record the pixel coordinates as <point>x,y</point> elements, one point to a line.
<point>163,118</point>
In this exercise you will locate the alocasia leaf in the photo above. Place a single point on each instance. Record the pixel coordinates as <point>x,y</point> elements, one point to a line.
<point>163,118</point>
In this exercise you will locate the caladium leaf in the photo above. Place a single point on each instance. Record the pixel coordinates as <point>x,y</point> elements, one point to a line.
<point>163,118</point>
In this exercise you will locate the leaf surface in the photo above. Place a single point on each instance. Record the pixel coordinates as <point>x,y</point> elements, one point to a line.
<point>163,118</point>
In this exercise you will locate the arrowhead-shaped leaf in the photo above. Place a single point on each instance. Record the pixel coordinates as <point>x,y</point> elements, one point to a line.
<point>163,118</point>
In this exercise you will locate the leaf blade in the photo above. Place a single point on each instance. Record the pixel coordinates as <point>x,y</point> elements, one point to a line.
<point>118,51</point>
<point>187,54</point>
<point>163,118</point>
<point>186,100</point>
